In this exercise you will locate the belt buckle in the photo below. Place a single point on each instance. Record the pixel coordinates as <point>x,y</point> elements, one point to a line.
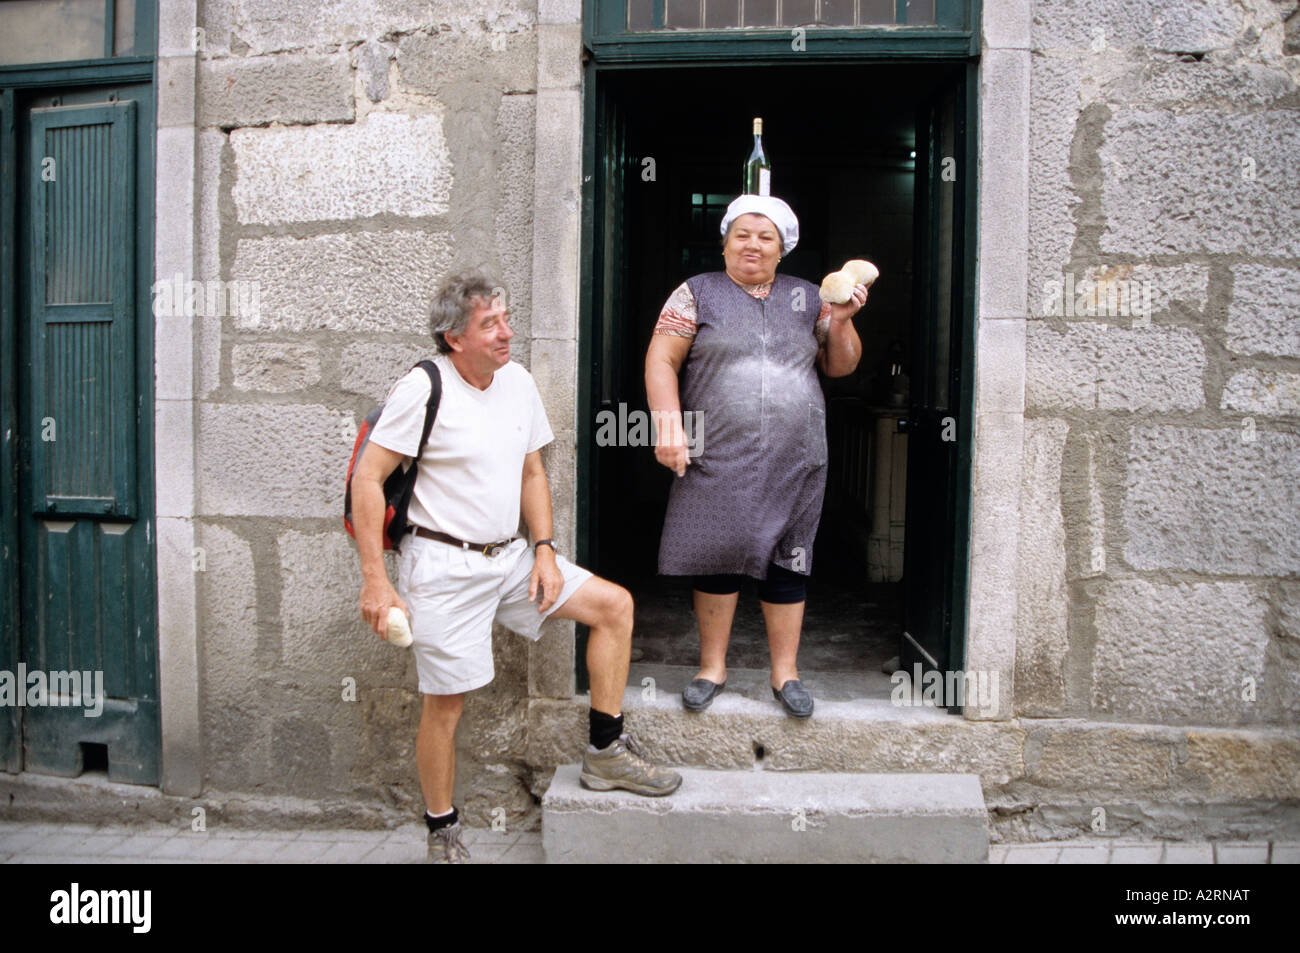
<point>492,550</point>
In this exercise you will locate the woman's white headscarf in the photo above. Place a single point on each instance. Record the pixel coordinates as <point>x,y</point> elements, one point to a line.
<point>772,208</point>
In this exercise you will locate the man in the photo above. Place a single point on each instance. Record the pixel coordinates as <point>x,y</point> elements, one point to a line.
<point>462,567</point>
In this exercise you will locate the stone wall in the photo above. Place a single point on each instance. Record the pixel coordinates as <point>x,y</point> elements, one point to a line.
<point>350,156</point>
<point>1160,530</point>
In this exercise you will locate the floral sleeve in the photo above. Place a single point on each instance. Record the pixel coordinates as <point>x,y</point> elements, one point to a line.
<point>678,316</point>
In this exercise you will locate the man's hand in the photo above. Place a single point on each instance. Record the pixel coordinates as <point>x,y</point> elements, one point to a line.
<point>377,596</point>
<point>546,577</point>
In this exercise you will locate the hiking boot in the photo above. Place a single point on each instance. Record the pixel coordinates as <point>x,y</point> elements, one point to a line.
<point>622,766</point>
<point>446,847</point>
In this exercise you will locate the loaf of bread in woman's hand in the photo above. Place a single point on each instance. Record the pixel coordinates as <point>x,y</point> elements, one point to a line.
<point>863,272</point>
<point>837,287</point>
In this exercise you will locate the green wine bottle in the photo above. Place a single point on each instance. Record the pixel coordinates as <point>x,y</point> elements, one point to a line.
<point>758,171</point>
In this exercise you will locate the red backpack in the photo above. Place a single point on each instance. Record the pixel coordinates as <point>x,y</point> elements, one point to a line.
<point>400,483</point>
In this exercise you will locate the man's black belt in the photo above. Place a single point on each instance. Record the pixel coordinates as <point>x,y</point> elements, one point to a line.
<point>487,549</point>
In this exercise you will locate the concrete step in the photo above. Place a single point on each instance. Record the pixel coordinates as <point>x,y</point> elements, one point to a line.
<point>770,817</point>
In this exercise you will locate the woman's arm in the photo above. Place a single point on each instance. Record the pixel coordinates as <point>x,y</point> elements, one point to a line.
<point>839,356</point>
<point>663,363</point>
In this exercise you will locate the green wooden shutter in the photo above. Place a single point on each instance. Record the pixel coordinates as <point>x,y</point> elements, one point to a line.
<point>81,271</point>
<point>85,547</point>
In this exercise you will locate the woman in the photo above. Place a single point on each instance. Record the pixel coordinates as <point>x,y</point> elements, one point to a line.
<point>740,348</point>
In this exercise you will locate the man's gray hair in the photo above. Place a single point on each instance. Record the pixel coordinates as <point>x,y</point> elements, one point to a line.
<point>454,305</point>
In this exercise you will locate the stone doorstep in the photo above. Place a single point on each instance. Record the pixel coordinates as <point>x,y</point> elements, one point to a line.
<point>753,684</point>
<point>838,697</point>
<point>745,727</point>
<point>750,816</point>
<point>770,711</point>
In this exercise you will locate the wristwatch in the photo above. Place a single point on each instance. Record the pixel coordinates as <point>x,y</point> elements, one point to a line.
<point>545,542</point>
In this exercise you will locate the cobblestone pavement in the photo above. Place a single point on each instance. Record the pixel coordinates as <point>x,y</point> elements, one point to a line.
<point>49,843</point>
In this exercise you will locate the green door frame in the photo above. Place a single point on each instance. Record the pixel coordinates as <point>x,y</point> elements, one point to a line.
<point>610,48</point>
<point>925,425</point>
<point>10,739</point>
<point>121,70</point>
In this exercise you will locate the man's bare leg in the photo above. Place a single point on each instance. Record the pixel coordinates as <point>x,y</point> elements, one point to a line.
<point>714,614</point>
<point>606,609</point>
<point>435,750</point>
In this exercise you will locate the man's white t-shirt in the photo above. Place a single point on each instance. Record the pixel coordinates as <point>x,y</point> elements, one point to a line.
<point>472,466</point>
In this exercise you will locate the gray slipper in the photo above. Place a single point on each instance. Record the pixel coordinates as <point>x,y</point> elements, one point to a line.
<point>699,694</point>
<point>797,700</point>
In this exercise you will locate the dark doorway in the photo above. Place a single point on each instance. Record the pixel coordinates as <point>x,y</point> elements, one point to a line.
<point>842,141</point>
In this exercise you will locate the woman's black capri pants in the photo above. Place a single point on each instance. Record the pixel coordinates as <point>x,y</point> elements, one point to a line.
<point>781,587</point>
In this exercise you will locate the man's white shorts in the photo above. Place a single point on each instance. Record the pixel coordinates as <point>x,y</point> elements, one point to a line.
<point>455,595</point>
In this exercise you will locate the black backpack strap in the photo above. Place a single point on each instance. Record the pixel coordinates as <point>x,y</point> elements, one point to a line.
<point>431,409</point>
<point>398,525</point>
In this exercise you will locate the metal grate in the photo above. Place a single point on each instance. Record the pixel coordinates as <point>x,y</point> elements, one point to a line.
<point>642,15</point>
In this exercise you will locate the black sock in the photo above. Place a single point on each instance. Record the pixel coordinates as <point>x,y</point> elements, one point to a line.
<point>603,729</point>
<point>436,823</point>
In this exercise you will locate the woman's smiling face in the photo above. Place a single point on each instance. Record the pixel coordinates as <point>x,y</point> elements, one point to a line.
<point>752,249</point>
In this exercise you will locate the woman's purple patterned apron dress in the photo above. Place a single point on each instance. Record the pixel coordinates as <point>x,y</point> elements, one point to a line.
<point>753,495</point>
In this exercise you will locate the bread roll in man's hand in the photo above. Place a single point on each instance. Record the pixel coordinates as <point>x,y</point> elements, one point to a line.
<point>399,630</point>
